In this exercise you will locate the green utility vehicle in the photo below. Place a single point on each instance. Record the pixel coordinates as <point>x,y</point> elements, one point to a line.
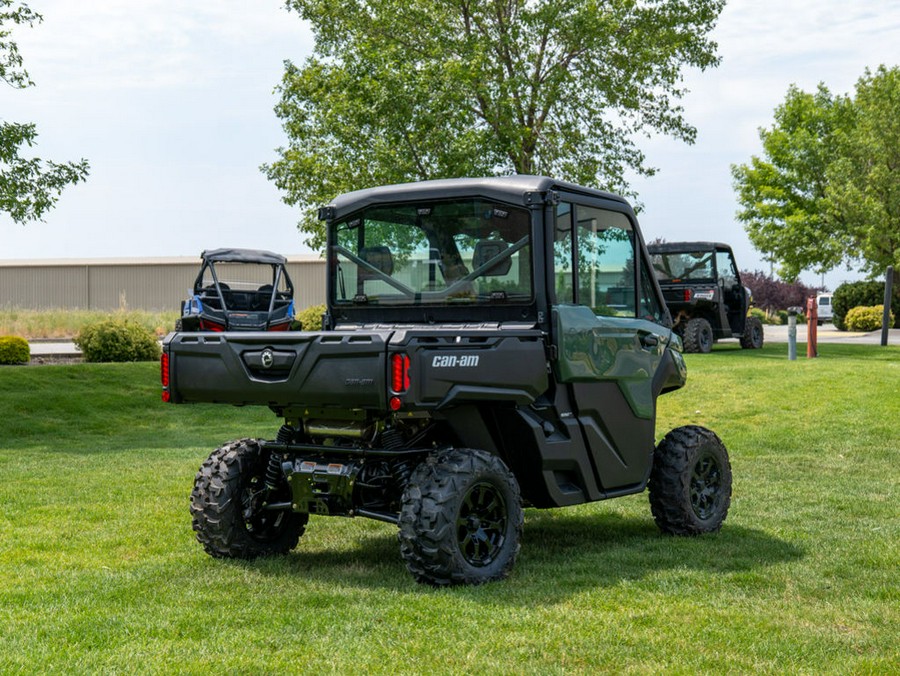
<point>704,293</point>
<point>488,344</point>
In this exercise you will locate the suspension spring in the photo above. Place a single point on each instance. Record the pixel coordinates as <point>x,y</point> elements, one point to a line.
<point>273,469</point>
<point>391,440</point>
<point>401,471</point>
<point>285,434</point>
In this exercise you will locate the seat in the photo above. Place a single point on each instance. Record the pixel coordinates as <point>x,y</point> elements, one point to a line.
<point>380,258</point>
<point>485,250</point>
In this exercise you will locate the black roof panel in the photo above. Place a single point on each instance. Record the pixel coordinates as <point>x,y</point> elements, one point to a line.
<point>243,256</point>
<point>678,247</point>
<point>510,189</point>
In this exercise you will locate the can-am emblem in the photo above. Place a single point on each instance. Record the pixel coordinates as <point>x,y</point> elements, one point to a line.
<point>267,358</point>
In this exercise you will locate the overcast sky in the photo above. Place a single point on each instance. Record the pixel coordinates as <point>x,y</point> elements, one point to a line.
<point>172,104</point>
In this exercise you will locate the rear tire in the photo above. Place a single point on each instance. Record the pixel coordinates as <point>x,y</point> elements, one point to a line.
<point>226,505</point>
<point>753,334</point>
<point>690,483</point>
<point>461,519</point>
<point>698,336</point>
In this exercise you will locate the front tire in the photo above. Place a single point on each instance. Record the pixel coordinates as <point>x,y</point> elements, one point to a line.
<point>690,483</point>
<point>461,519</point>
<point>698,336</point>
<point>227,506</point>
<point>753,334</point>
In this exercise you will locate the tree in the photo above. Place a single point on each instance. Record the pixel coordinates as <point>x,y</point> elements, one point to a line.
<point>420,89</point>
<point>772,294</point>
<point>864,179</point>
<point>827,191</point>
<point>29,186</point>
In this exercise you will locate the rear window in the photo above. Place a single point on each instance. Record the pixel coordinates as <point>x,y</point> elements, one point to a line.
<point>681,266</point>
<point>469,251</point>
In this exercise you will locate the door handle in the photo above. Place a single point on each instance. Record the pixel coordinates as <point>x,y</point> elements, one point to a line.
<point>649,340</point>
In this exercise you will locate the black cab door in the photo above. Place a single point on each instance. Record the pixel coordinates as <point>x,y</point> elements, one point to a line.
<point>611,335</point>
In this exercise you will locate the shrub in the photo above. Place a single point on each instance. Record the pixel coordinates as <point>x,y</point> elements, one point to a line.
<point>861,294</point>
<point>14,350</point>
<point>310,319</point>
<point>863,318</point>
<point>117,340</point>
<point>759,314</point>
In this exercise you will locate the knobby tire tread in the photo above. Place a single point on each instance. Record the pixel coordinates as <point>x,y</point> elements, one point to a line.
<point>216,506</point>
<point>669,486</point>
<point>428,542</point>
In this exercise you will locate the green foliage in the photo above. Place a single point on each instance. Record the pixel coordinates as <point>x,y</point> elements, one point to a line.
<point>760,315</point>
<point>863,318</point>
<point>864,179</point>
<point>410,90</point>
<point>853,294</point>
<point>310,319</point>
<point>11,69</point>
<point>14,350</point>
<point>782,194</point>
<point>117,340</point>
<point>29,186</point>
<point>827,189</point>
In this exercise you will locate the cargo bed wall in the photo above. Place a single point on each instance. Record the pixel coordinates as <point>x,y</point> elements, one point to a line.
<point>339,368</point>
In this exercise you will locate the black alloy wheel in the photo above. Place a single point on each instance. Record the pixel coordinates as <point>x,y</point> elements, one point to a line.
<point>461,518</point>
<point>482,524</point>
<point>690,482</point>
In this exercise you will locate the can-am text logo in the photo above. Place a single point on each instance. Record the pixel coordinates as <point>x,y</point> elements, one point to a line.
<point>455,360</point>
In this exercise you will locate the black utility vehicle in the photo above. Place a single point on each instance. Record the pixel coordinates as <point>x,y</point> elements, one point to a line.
<point>704,293</point>
<point>239,290</point>
<point>488,344</point>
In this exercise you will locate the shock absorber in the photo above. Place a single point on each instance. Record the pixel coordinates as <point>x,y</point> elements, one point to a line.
<point>392,440</point>
<point>273,469</point>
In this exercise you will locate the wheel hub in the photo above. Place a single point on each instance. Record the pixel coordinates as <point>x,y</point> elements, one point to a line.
<point>481,525</point>
<point>706,480</point>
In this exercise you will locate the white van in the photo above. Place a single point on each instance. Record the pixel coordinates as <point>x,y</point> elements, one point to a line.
<point>823,301</point>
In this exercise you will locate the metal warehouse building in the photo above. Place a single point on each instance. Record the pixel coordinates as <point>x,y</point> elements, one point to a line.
<point>128,283</point>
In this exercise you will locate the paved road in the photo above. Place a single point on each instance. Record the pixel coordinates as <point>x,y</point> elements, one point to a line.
<point>42,348</point>
<point>828,334</point>
<point>773,334</point>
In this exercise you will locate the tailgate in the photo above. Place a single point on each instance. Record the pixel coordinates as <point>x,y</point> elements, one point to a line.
<point>337,368</point>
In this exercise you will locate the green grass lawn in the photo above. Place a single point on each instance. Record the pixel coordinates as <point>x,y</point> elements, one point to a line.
<point>100,573</point>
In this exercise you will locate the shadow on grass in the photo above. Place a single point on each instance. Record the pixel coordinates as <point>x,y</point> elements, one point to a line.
<point>561,554</point>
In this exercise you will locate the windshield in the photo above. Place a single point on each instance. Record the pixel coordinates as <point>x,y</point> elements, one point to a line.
<point>438,253</point>
<point>683,265</point>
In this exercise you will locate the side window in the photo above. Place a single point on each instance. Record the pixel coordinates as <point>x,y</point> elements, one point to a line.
<point>562,254</point>
<point>725,266</point>
<point>605,262</point>
<point>650,308</point>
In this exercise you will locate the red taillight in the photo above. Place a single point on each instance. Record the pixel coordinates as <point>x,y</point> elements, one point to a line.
<point>399,373</point>
<point>688,294</point>
<point>206,325</point>
<point>164,376</point>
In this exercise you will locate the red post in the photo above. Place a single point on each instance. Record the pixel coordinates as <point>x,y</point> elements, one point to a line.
<point>812,326</point>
